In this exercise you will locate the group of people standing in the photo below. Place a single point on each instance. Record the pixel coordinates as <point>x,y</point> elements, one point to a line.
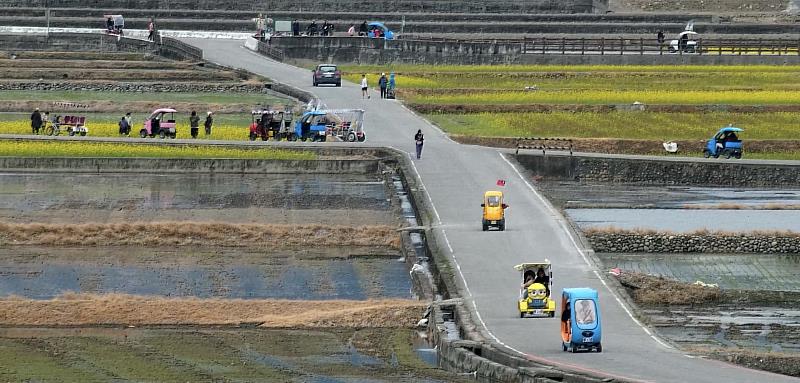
<point>194,124</point>
<point>313,29</point>
<point>125,124</point>
<point>386,84</point>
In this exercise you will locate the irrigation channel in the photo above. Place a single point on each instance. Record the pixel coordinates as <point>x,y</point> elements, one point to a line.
<point>52,266</point>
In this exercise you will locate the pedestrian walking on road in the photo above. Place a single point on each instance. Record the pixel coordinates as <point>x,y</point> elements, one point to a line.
<point>420,140</point>
<point>383,82</point>
<point>151,30</point>
<point>36,121</point>
<point>362,29</point>
<point>364,87</point>
<point>209,122</point>
<point>351,31</point>
<point>194,124</point>
<point>660,37</point>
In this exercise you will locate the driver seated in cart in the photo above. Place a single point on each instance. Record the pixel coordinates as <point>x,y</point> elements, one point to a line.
<point>540,277</point>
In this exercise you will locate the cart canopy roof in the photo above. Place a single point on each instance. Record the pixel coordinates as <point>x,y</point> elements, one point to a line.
<point>533,265</point>
<point>730,129</point>
<point>162,110</point>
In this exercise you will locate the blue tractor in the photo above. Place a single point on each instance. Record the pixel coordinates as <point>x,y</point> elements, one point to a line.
<point>725,143</point>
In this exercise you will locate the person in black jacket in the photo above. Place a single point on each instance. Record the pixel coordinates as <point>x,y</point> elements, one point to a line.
<point>420,140</point>
<point>36,121</point>
<point>362,30</point>
<point>295,28</point>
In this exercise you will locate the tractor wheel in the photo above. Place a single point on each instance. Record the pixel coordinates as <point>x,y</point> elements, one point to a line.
<point>362,138</point>
<point>83,134</point>
<point>521,314</point>
<point>252,137</point>
<point>351,137</point>
<point>304,138</point>
<point>264,138</point>
<point>738,156</point>
<point>49,131</point>
<point>323,139</point>
<point>706,153</point>
<point>143,133</point>
<point>71,132</point>
<point>728,154</point>
<point>162,134</point>
<point>173,135</point>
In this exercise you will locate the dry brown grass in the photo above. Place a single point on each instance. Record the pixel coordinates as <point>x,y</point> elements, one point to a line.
<point>652,290</point>
<point>196,233</point>
<point>118,309</point>
<point>736,206</point>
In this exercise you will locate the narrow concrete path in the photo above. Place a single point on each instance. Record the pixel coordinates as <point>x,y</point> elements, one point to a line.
<point>455,177</point>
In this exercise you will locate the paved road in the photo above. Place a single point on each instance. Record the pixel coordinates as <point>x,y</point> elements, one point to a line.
<point>455,177</point>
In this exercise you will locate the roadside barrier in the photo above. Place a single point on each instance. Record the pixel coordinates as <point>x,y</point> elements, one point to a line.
<point>544,144</point>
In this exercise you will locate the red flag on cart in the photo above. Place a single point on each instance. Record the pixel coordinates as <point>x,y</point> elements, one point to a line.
<point>501,182</point>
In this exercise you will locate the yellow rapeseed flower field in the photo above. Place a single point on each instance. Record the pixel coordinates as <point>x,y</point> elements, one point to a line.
<point>13,148</point>
<point>111,129</point>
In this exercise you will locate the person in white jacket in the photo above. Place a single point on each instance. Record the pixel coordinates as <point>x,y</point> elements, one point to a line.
<point>364,86</point>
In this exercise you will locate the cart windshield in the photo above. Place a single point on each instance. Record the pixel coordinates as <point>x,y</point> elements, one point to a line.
<point>585,312</point>
<point>493,201</point>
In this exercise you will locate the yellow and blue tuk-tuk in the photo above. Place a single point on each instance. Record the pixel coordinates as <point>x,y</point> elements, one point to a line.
<point>493,210</point>
<point>580,320</point>
<point>535,299</point>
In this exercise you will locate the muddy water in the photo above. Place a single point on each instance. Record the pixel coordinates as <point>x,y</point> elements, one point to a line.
<point>766,328</point>
<point>75,198</point>
<point>687,220</point>
<point>730,271</point>
<point>43,273</point>
<point>581,194</point>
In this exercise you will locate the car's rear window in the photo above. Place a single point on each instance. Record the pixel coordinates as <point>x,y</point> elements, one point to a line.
<point>327,68</point>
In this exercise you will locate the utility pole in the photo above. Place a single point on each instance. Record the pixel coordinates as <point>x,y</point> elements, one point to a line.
<point>47,17</point>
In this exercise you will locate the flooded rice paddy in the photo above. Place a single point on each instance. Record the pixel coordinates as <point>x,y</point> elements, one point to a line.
<point>45,272</point>
<point>236,198</point>
<point>201,355</point>
<point>687,220</point>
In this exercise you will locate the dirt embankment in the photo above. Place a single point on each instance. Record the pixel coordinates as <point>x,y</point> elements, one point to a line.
<point>651,290</point>
<point>196,234</point>
<point>117,309</point>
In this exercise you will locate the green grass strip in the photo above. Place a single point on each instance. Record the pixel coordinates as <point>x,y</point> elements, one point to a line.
<point>9,148</point>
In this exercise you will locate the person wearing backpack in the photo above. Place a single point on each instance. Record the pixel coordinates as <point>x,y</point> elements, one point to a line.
<point>124,127</point>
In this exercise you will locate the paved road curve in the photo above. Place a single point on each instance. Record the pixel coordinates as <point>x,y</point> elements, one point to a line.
<point>455,177</point>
